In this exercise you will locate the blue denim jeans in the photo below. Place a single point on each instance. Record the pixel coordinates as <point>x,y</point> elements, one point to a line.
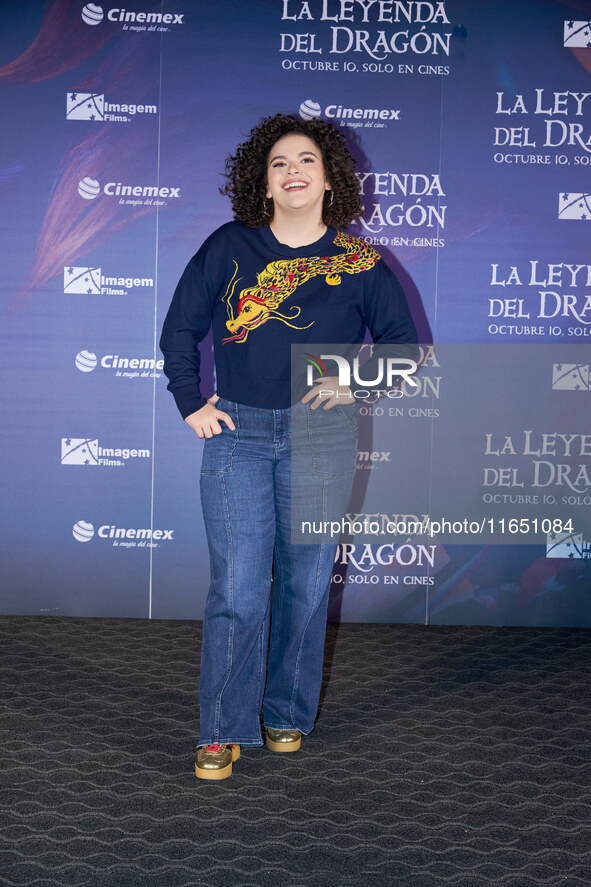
<point>257,655</point>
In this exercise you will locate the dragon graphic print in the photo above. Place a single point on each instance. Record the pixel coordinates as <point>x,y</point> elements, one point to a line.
<point>280,279</point>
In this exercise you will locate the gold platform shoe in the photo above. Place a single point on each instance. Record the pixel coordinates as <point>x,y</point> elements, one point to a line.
<point>282,740</point>
<point>215,761</point>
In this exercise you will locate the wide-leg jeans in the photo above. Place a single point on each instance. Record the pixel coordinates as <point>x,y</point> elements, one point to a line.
<point>256,655</point>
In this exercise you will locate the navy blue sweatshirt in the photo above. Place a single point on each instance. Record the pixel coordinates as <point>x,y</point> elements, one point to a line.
<point>261,297</point>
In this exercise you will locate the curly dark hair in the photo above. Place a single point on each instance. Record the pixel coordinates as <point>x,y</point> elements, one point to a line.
<point>246,171</point>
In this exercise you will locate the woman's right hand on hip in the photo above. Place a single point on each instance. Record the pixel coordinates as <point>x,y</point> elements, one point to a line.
<point>206,421</point>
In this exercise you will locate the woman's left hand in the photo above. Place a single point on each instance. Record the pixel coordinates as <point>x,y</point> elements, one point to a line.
<point>329,393</point>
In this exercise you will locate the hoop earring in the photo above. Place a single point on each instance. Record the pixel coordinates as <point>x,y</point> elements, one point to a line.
<point>265,210</point>
<point>331,199</point>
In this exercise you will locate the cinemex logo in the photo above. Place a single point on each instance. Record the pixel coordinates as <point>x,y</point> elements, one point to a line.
<point>90,281</point>
<point>92,106</point>
<point>132,195</point>
<point>87,451</point>
<point>577,34</point>
<point>571,377</point>
<point>353,117</point>
<point>122,537</point>
<point>575,206</point>
<point>126,367</point>
<point>92,14</point>
<point>366,459</point>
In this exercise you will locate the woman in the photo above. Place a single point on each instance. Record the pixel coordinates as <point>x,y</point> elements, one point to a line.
<point>285,272</point>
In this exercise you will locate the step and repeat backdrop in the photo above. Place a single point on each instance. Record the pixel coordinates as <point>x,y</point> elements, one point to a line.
<point>471,127</point>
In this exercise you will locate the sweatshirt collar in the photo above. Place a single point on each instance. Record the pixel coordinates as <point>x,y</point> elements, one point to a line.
<point>319,247</point>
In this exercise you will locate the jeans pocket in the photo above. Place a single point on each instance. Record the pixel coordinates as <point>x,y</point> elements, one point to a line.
<point>218,451</point>
<point>350,414</point>
<point>333,441</point>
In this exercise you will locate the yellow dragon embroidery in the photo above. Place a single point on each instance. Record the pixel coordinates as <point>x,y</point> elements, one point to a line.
<point>280,279</point>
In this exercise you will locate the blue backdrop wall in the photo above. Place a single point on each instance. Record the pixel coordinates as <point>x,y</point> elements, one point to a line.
<point>471,125</point>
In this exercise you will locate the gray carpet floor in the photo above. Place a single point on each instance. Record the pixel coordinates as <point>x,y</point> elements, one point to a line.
<point>442,756</point>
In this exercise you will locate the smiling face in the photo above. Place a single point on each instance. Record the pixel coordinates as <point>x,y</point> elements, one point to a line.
<point>296,180</point>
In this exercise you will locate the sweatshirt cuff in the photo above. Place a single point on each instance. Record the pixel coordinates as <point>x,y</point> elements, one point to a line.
<point>188,400</point>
